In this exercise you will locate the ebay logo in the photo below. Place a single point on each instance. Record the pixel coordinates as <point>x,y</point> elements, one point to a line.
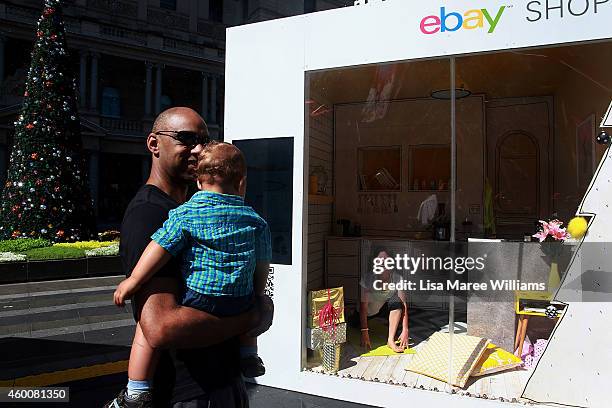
<point>453,21</point>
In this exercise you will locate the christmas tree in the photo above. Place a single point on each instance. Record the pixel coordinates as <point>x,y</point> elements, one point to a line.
<point>46,194</point>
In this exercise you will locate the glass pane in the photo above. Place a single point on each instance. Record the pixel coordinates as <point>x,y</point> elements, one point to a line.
<point>538,112</point>
<point>372,132</point>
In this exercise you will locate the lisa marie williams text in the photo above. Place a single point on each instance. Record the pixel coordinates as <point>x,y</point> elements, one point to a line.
<point>427,285</point>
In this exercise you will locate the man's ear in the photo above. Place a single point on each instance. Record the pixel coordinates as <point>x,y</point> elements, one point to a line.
<point>199,184</point>
<point>153,144</point>
<point>242,186</point>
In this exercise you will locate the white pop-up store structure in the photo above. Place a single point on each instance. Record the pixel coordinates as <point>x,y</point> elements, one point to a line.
<point>268,113</point>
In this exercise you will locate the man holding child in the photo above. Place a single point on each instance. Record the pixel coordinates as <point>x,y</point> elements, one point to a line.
<point>203,366</point>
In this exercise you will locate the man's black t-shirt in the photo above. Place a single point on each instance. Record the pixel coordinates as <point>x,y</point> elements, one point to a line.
<point>181,374</point>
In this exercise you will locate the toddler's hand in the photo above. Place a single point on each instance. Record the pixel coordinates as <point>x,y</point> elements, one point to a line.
<point>124,291</point>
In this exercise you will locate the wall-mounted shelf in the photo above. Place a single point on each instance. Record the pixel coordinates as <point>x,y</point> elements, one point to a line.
<point>379,168</point>
<point>320,199</point>
<point>429,191</point>
<point>429,167</point>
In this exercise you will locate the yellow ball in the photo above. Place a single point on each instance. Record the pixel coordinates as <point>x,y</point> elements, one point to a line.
<point>577,227</point>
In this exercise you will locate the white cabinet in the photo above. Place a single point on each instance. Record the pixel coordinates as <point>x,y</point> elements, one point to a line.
<point>342,267</point>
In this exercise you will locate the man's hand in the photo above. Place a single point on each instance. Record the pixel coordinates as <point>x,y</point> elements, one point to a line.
<point>125,290</point>
<point>265,307</point>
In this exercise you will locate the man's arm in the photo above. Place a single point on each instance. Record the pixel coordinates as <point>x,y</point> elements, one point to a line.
<point>167,324</point>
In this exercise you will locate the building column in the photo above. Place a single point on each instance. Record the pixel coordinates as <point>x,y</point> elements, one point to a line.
<point>205,99</point>
<point>94,178</point>
<point>158,88</point>
<point>148,88</point>
<point>213,99</point>
<point>145,168</point>
<point>2,41</point>
<point>193,17</point>
<point>142,10</point>
<point>83,79</point>
<point>93,92</point>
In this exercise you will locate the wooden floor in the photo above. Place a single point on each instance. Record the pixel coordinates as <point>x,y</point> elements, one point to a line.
<point>505,386</point>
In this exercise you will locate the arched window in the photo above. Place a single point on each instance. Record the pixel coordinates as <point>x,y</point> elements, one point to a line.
<point>111,102</point>
<point>168,4</point>
<point>215,10</point>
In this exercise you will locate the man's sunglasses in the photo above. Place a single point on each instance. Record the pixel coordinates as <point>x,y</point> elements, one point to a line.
<point>185,137</point>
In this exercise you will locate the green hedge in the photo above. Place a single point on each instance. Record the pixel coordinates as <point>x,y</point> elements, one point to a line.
<point>40,249</point>
<point>54,252</point>
<point>23,244</point>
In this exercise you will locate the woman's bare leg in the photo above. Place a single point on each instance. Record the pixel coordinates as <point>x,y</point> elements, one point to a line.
<point>395,316</point>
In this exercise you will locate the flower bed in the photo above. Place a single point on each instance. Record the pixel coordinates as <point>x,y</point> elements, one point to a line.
<point>26,249</point>
<point>25,260</point>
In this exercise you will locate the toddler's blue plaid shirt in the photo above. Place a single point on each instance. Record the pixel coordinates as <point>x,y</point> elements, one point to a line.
<point>219,239</point>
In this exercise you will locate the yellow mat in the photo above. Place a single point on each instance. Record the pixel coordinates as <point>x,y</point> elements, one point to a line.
<point>378,338</point>
<point>385,351</point>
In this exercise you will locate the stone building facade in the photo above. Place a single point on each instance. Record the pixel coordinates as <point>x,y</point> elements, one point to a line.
<point>132,59</point>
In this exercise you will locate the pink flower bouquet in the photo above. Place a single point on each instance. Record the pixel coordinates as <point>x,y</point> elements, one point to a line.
<point>551,236</point>
<point>552,229</point>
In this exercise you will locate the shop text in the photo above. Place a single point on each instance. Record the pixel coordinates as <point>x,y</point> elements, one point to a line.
<point>549,9</point>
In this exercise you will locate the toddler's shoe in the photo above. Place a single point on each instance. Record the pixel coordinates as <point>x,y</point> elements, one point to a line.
<point>252,366</point>
<point>142,400</point>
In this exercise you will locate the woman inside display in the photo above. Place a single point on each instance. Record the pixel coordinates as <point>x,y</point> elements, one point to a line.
<point>377,303</point>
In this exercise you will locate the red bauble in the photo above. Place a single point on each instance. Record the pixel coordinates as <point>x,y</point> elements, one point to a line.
<point>48,11</point>
<point>39,34</point>
<point>53,37</point>
<point>48,84</point>
<point>29,126</point>
<point>60,233</point>
<point>16,233</point>
<point>26,93</point>
<point>34,156</point>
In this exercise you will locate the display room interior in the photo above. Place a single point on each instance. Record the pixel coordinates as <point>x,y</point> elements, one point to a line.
<point>379,150</point>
